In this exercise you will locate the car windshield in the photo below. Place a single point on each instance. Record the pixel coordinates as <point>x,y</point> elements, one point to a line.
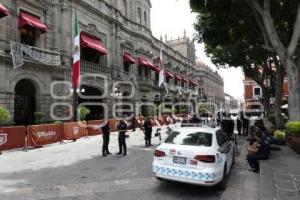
<point>190,138</point>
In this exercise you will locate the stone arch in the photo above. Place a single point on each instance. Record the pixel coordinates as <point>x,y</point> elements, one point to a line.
<point>25,102</point>
<point>37,82</point>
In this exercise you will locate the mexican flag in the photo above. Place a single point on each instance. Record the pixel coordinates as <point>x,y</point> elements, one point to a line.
<point>76,55</point>
<point>161,72</point>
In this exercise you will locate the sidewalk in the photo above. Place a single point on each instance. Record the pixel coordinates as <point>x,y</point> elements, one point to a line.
<point>280,176</point>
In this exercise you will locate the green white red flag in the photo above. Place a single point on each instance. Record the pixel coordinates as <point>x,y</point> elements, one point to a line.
<point>76,55</point>
<point>161,72</point>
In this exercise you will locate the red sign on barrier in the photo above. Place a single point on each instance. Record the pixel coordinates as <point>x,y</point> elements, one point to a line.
<point>39,135</point>
<point>12,137</point>
<point>75,130</point>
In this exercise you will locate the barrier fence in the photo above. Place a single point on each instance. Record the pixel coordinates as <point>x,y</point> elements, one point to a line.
<point>15,137</point>
<point>12,137</point>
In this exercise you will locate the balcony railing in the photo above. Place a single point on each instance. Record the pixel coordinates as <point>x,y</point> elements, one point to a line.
<point>123,75</point>
<point>94,67</point>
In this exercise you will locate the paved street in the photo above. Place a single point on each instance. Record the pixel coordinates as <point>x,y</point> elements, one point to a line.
<point>77,171</point>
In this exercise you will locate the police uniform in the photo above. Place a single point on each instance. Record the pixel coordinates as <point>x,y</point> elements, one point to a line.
<point>106,134</point>
<point>148,132</point>
<point>122,127</point>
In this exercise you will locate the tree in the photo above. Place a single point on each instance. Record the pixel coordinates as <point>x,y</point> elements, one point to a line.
<point>252,35</point>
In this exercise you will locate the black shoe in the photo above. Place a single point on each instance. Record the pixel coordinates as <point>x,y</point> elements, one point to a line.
<point>104,155</point>
<point>119,153</point>
<point>124,154</point>
<point>108,153</point>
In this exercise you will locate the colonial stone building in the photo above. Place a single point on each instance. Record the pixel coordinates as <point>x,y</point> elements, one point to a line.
<point>116,43</point>
<point>211,85</point>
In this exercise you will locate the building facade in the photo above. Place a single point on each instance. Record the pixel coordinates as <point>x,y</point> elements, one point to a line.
<point>119,57</point>
<point>253,93</point>
<point>211,85</point>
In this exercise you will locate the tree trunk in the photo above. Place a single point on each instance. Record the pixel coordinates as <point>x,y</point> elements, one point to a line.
<point>266,99</point>
<point>294,90</point>
<point>278,97</point>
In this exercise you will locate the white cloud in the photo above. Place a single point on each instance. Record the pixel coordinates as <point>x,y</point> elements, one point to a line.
<point>172,17</point>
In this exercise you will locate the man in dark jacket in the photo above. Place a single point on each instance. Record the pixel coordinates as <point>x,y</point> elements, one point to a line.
<point>122,128</point>
<point>148,131</point>
<point>133,123</point>
<point>239,125</point>
<point>245,121</point>
<point>228,125</point>
<point>106,134</point>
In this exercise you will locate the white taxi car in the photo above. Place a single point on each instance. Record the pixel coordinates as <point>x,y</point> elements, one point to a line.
<point>196,155</point>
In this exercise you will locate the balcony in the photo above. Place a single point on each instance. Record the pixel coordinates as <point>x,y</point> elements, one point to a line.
<point>123,75</point>
<point>94,67</point>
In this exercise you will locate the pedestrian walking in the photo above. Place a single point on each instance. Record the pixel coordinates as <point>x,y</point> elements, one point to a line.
<point>106,136</point>
<point>133,123</point>
<point>147,131</point>
<point>122,128</point>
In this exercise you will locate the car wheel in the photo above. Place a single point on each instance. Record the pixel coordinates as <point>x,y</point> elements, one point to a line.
<point>222,184</point>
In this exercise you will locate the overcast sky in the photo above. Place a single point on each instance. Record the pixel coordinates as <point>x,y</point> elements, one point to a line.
<point>171,18</point>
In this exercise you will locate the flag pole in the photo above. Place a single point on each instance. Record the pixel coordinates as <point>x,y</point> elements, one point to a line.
<point>76,67</point>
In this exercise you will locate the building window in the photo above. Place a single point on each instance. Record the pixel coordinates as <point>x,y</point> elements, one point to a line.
<point>124,7</point>
<point>145,18</point>
<point>139,16</point>
<point>126,67</point>
<point>91,55</point>
<point>28,35</point>
<point>257,92</point>
<point>140,70</point>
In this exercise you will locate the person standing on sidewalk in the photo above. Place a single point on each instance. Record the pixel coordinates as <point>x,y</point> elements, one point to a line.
<point>239,125</point>
<point>122,128</point>
<point>106,134</point>
<point>133,123</point>
<point>245,121</point>
<point>148,132</point>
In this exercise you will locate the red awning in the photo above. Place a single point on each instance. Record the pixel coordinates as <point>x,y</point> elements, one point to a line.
<point>127,58</point>
<point>169,74</point>
<point>142,61</point>
<point>27,19</point>
<point>184,79</point>
<point>177,77</point>
<point>156,69</point>
<point>92,42</point>
<point>3,11</point>
<point>193,82</point>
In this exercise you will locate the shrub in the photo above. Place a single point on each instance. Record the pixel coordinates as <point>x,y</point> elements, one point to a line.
<point>279,134</point>
<point>294,127</point>
<point>4,115</point>
<point>38,117</point>
<point>84,111</point>
<point>271,117</point>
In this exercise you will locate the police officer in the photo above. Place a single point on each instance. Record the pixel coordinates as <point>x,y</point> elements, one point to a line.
<point>122,128</point>
<point>148,132</point>
<point>106,134</point>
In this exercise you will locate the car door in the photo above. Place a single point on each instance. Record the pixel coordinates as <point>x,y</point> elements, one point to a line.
<point>225,147</point>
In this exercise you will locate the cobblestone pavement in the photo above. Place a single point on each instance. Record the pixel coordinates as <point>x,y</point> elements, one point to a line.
<point>78,171</point>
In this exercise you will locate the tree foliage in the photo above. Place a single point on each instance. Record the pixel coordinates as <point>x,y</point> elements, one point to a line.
<point>245,32</point>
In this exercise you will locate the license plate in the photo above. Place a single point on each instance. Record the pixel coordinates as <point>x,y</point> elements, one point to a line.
<point>179,160</point>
